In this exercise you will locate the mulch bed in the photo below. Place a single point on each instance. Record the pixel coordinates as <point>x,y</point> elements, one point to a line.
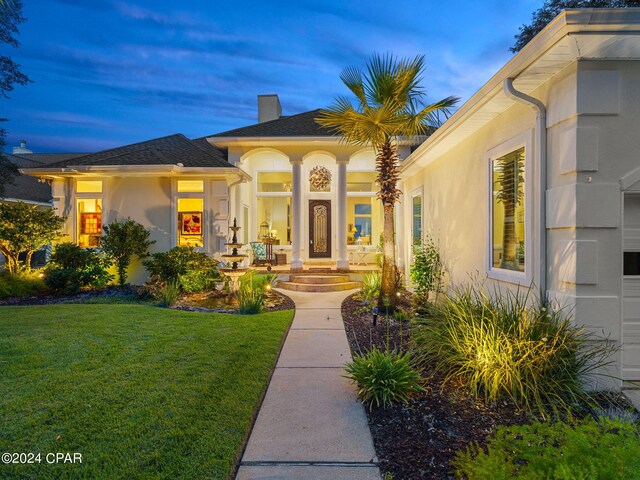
<point>275,301</point>
<point>52,298</point>
<point>418,440</point>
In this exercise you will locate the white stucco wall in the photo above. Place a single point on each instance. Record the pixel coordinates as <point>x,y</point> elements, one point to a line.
<point>593,114</point>
<point>150,201</point>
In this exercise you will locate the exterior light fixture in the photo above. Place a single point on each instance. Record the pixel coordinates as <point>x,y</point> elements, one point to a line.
<point>375,316</point>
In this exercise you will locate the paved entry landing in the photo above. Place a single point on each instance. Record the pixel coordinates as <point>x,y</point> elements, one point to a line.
<point>311,425</point>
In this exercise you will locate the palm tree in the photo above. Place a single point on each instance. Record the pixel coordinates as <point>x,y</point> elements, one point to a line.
<point>388,107</point>
<point>510,178</point>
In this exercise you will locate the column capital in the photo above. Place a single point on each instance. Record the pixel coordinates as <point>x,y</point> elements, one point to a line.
<point>342,161</point>
<point>295,161</point>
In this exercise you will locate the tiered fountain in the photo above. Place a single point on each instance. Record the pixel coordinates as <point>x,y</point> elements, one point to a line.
<point>234,272</point>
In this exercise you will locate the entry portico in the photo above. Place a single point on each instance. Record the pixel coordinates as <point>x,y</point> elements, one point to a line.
<point>311,193</point>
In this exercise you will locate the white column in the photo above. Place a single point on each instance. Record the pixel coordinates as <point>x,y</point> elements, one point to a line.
<point>296,214</point>
<point>343,260</point>
<point>400,229</point>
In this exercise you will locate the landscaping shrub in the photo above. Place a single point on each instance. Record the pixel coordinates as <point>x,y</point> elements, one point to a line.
<point>605,449</point>
<point>122,240</point>
<point>427,269</point>
<point>250,300</point>
<point>371,284</point>
<point>168,294</point>
<point>25,229</point>
<point>383,377</point>
<point>21,284</point>
<point>193,271</point>
<point>510,345</point>
<point>72,268</point>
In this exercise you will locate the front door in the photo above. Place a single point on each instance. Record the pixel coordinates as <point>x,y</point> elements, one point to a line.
<point>319,229</point>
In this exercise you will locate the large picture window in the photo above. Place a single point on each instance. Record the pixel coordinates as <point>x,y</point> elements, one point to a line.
<point>364,220</point>
<point>274,219</point>
<point>88,213</point>
<point>190,222</point>
<point>508,211</point>
<point>89,222</point>
<point>190,209</point>
<point>273,204</point>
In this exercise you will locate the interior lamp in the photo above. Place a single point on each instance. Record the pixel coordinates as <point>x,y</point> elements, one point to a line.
<point>264,229</point>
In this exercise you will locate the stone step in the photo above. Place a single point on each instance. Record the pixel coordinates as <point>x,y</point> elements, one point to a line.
<point>319,287</point>
<point>319,279</point>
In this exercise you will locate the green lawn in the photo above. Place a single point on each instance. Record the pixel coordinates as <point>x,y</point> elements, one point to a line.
<point>139,391</point>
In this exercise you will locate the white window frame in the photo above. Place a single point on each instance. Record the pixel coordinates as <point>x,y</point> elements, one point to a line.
<point>83,196</point>
<point>175,195</point>
<point>524,139</point>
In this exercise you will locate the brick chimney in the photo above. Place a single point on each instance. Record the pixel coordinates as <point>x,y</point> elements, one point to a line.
<point>268,108</point>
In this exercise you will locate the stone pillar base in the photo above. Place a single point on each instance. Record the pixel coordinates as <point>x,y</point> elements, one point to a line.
<point>296,265</point>
<point>342,265</point>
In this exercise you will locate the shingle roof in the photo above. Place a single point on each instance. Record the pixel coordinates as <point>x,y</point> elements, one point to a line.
<point>300,125</point>
<point>25,187</point>
<point>169,150</point>
<point>48,158</point>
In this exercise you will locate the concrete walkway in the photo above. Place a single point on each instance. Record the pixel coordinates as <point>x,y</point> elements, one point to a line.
<point>310,425</point>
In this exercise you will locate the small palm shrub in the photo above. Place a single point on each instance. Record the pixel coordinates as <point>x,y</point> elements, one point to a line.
<point>605,449</point>
<point>72,268</point>
<point>168,294</point>
<point>384,378</point>
<point>250,300</point>
<point>510,345</point>
<point>371,284</point>
<point>427,269</point>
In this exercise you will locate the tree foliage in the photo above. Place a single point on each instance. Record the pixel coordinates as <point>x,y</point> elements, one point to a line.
<point>24,229</point>
<point>10,75</point>
<point>388,106</point>
<point>8,170</point>
<point>10,18</point>
<point>123,240</point>
<point>552,8</point>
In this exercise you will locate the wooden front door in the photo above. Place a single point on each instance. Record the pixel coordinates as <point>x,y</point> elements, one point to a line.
<point>319,229</point>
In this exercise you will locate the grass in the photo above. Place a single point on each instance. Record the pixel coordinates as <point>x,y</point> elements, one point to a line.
<point>141,392</point>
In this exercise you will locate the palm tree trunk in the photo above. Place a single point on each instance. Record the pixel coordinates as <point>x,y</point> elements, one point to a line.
<point>387,167</point>
<point>509,236</point>
<point>388,289</point>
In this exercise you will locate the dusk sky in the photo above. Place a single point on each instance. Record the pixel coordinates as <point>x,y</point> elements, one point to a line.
<point>109,72</point>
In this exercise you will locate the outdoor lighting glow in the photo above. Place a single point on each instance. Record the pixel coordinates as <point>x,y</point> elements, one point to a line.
<point>40,275</point>
<point>268,287</point>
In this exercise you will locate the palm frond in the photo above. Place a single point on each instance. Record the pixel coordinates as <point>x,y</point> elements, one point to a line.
<point>389,103</point>
<point>352,78</point>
